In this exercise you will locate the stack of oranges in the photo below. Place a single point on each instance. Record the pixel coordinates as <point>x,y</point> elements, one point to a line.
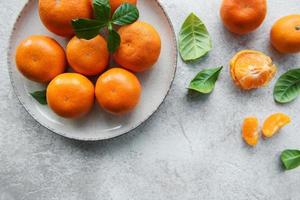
<point>70,95</point>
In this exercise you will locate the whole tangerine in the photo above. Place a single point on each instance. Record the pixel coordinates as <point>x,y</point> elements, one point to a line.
<point>114,4</point>
<point>40,58</point>
<point>118,91</point>
<point>88,57</point>
<point>243,16</point>
<point>140,47</point>
<point>285,34</point>
<point>57,15</point>
<point>70,95</point>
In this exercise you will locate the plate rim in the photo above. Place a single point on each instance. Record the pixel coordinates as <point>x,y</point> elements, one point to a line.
<point>98,138</point>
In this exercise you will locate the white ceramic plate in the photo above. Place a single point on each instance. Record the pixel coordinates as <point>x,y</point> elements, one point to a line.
<point>98,125</point>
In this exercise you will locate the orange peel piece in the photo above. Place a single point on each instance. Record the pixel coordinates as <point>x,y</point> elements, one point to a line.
<point>251,69</point>
<point>250,130</point>
<point>275,122</point>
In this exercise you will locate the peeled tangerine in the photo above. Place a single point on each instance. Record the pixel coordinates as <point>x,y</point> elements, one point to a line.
<point>275,122</point>
<point>250,130</point>
<point>251,69</point>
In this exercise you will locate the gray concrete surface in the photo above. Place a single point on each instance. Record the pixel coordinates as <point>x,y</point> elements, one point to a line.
<point>190,149</point>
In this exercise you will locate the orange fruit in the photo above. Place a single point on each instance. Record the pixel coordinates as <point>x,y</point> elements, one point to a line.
<point>251,69</point>
<point>243,16</point>
<point>40,58</point>
<point>140,47</point>
<point>285,34</point>
<point>57,15</point>
<point>88,57</point>
<point>70,95</point>
<point>118,91</point>
<point>250,130</point>
<point>114,4</point>
<point>275,122</point>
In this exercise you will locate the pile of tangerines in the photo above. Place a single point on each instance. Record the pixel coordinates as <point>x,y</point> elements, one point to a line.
<point>252,69</point>
<point>42,59</point>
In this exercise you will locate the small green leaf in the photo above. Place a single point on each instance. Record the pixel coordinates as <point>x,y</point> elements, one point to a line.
<point>287,87</point>
<point>125,14</point>
<point>114,40</point>
<point>205,80</point>
<point>290,159</point>
<point>40,96</point>
<point>102,10</point>
<point>194,39</point>
<point>87,28</point>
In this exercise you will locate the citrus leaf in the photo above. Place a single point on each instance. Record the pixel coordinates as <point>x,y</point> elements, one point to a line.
<point>87,28</point>
<point>114,40</point>
<point>40,96</point>
<point>102,10</point>
<point>290,159</point>
<point>287,87</point>
<point>205,80</point>
<point>125,14</point>
<point>194,39</point>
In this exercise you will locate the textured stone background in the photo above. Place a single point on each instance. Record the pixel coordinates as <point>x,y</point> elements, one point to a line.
<point>190,149</point>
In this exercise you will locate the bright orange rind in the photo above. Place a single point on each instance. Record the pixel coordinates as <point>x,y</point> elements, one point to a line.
<point>275,122</point>
<point>251,69</point>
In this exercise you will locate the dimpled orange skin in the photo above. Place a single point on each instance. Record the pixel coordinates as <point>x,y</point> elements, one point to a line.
<point>40,58</point>
<point>114,4</point>
<point>70,95</point>
<point>275,122</point>
<point>88,57</point>
<point>57,15</point>
<point>243,16</point>
<point>118,91</point>
<point>140,47</point>
<point>250,130</point>
<point>285,34</point>
<point>251,69</point>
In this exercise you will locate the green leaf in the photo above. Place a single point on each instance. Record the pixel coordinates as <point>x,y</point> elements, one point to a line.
<point>290,159</point>
<point>287,87</point>
<point>87,28</point>
<point>205,80</point>
<point>194,39</point>
<point>102,10</point>
<point>114,39</point>
<point>125,14</point>
<point>40,96</point>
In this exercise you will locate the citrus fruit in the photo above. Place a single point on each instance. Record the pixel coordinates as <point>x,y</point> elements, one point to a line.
<point>243,16</point>
<point>57,15</point>
<point>251,69</point>
<point>275,122</point>
<point>140,47</point>
<point>40,58</point>
<point>118,91</point>
<point>114,4</point>
<point>285,34</point>
<point>88,57</point>
<point>70,95</point>
<point>250,130</point>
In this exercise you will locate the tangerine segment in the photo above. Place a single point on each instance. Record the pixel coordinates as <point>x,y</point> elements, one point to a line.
<point>70,95</point>
<point>250,130</point>
<point>88,57</point>
<point>251,69</point>
<point>118,91</point>
<point>274,122</point>
<point>40,58</point>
